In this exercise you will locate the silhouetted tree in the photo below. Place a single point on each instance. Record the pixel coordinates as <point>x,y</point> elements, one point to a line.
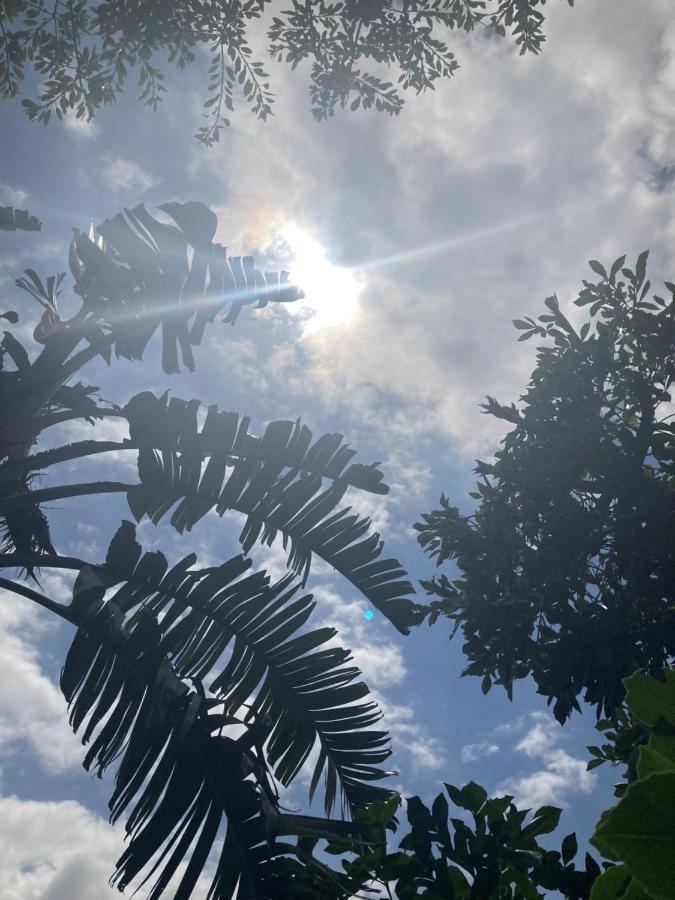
<point>567,565</point>
<point>82,52</point>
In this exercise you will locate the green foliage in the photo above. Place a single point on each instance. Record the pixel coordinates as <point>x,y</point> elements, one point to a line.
<point>624,735</point>
<point>639,832</point>
<point>204,686</point>
<point>616,883</point>
<point>495,854</point>
<point>567,565</point>
<point>83,52</point>
<point>650,699</point>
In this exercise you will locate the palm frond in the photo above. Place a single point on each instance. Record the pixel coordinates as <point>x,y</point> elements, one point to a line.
<point>161,424</point>
<point>180,778</point>
<point>304,689</point>
<point>172,424</point>
<point>143,273</point>
<point>277,482</point>
<point>12,219</point>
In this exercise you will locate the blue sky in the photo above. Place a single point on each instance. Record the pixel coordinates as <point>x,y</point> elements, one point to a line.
<point>437,229</point>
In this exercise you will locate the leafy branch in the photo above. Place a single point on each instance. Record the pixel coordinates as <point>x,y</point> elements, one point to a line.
<point>83,52</point>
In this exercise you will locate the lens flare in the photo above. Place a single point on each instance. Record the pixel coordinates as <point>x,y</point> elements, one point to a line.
<point>331,292</point>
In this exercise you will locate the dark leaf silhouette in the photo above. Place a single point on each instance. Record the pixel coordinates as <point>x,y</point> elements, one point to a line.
<point>135,273</point>
<point>180,776</point>
<point>18,220</point>
<point>467,845</point>
<point>276,481</point>
<point>290,679</point>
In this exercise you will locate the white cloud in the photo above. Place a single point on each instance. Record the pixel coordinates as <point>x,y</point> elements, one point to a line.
<point>61,850</point>
<point>561,773</point>
<point>12,196</point>
<point>511,727</point>
<point>540,740</point>
<point>126,175</point>
<point>33,710</point>
<point>409,734</point>
<point>473,752</point>
<point>80,128</point>
<point>380,660</point>
<point>54,851</point>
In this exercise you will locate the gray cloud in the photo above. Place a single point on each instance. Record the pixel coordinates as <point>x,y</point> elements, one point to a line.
<point>525,167</point>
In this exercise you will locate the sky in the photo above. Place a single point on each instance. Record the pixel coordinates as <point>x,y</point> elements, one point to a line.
<point>418,240</point>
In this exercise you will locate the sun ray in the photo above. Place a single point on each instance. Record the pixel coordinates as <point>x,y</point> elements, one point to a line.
<point>332,292</point>
<point>448,244</point>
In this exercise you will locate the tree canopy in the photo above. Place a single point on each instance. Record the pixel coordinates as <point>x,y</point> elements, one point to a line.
<point>567,565</point>
<point>83,51</point>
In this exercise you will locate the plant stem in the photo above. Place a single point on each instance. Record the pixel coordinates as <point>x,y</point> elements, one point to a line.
<point>24,591</point>
<point>62,492</point>
<point>40,560</point>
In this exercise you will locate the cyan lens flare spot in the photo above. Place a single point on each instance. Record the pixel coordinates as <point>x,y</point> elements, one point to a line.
<point>368,614</point>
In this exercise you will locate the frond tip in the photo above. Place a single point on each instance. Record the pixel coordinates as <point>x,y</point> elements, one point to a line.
<point>276,481</point>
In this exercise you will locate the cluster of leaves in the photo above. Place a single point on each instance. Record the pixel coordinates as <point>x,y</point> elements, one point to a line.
<point>134,672</point>
<point>337,36</point>
<point>232,69</point>
<point>83,51</point>
<point>623,736</point>
<point>444,857</point>
<point>203,685</point>
<point>567,566</point>
<point>639,832</point>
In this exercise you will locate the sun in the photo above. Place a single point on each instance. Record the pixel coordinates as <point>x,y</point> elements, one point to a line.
<point>331,292</point>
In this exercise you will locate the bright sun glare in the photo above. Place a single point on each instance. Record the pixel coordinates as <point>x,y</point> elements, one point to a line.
<point>331,292</point>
